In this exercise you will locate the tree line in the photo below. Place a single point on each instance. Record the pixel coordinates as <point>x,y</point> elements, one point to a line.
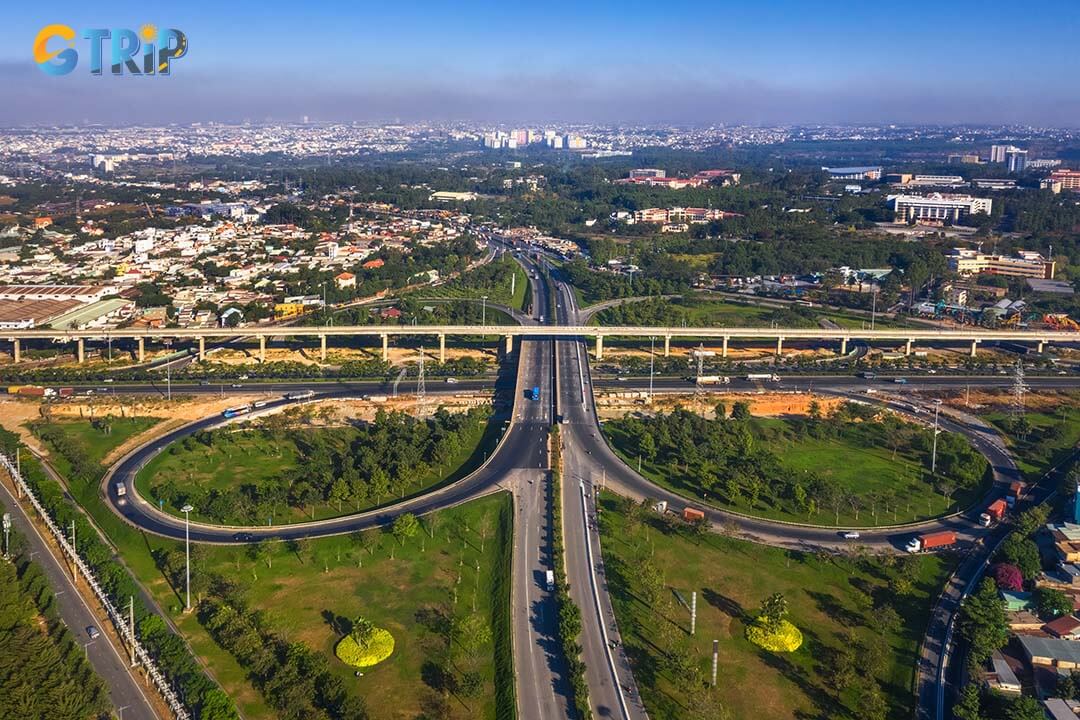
<point>356,468</point>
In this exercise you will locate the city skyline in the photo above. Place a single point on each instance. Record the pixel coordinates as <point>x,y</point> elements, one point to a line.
<point>780,63</point>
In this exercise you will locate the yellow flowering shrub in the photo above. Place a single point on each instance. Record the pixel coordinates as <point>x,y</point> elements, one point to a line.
<point>380,648</point>
<point>787,639</point>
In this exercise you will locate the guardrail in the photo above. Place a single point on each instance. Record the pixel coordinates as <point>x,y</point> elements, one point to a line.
<point>125,631</point>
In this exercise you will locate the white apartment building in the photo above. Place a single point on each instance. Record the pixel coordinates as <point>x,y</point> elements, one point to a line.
<point>937,207</point>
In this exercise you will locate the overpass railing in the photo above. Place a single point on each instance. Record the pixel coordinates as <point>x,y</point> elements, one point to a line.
<point>123,629</point>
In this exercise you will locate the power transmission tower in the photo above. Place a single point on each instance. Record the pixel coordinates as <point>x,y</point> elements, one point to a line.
<point>699,389</point>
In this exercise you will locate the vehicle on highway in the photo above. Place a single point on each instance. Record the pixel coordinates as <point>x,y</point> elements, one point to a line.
<point>243,537</point>
<point>851,535</point>
<point>763,377</point>
<point>121,489</point>
<point>994,513</point>
<point>108,380</point>
<point>237,385</point>
<point>92,632</point>
<point>550,577</point>
<point>930,541</point>
<point>900,381</point>
<point>234,411</point>
<point>451,381</point>
<point>535,394</point>
<point>259,404</point>
<point>303,395</point>
<point>866,375</point>
<point>712,380</point>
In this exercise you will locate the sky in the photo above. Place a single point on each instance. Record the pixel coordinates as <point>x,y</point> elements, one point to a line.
<point>672,62</point>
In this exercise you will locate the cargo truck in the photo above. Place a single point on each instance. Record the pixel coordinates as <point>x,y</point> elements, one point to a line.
<point>304,395</point>
<point>121,489</point>
<point>550,577</point>
<point>713,380</point>
<point>993,514</point>
<point>692,514</point>
<point>1015,489</point>
<point>766,377</point>
<point>535,394</point>
<point>931,541</point>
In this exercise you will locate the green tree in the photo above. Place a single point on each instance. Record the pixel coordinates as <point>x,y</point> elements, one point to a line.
<point>773,611</point>
<point>983,623</point>
<point>405,526</point>
<point>1022,552</point>
<point>968,706</point>
<point>340,492</point>
<point>1052,603</point>
<point>363,630</point>
<point>1024,708</point>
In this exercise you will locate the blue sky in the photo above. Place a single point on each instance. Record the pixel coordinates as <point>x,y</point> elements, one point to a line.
<point>768,61</point>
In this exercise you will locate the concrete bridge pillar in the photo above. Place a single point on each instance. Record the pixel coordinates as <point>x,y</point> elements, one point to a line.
<point>142,350</point>
<point>599,347</point>
<point>667,346</point>
<point>442,347</point>
<point>81,344</point>
<point>723,352</point>
<point>16,350</point>
<point>385,347</point>
<point>202,348</point>
<point>508,345</point>
<point>907,348</point>
<point>262,348</point>
<point>843,346</point>
<point>974,346</point>
<point>779,345</point>
<point>322,348</point>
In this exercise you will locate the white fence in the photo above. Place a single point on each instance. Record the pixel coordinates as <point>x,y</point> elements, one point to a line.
<point>115,616</point>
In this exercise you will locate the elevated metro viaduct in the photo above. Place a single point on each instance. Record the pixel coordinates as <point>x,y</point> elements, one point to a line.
<point>1037,338</point>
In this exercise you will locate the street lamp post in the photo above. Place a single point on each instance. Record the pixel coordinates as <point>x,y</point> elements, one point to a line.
<point>187,555</point>
<point>933,454</point>
<point>483,310</point>
<point>652,360</point>
<point>7,536</point>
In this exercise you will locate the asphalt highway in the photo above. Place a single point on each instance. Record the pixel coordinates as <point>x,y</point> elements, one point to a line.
<point>125,691</point>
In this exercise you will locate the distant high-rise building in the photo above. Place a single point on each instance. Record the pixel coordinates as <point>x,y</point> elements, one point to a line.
<point>997,152</point>
<point>575,142</point>
<point>521,137</point>
<point>1016,160</point>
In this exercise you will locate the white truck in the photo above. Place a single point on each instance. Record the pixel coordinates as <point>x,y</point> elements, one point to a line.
<point>121,489</point>
<point>550,577</point>
<point>763,377</point>
<point>714,380</point>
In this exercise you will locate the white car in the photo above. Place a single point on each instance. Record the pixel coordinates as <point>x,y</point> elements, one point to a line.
<point>851,535</point>
<point>451,381</point>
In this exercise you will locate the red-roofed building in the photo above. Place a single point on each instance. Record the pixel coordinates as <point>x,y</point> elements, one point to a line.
<point>1066,627</point>
<point>345,280</point>
<point>373,264</point>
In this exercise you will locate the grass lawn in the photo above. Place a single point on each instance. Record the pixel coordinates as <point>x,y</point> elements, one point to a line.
<point>825,595</point>
<point>96,442</point>
<point>703,310</point>
<point>251,457</point>
<point>868,472</point>
<point>1051,438</point>
<point>464,287</point>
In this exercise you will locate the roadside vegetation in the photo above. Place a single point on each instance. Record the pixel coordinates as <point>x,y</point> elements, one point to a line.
<point>43,670</point>
<point>281,469</point>
<point>861,618</point>
<point>202,694</point>
<point>858,466</point>
<point>273,616</point>
<point>1040,440</point>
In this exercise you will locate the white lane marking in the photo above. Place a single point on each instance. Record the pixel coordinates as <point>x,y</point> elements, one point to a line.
<point>596,601</point>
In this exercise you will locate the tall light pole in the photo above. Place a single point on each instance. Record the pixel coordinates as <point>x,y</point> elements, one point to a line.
<point>483,310</point>
<point>7,531</point>
<point>168,371</point>
<point>187,555</point>
<point>933,455</point>
<point>873,305</point>
<point>652,360</point>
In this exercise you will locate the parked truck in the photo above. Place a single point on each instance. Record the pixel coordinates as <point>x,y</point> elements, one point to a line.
<point>1015,489</point>
<point>994,513</point>
<point>931,541</point>
<point>763,377</point>
<point>692,514</point>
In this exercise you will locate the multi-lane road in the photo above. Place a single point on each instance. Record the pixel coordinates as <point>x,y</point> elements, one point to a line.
<point>558,365</point>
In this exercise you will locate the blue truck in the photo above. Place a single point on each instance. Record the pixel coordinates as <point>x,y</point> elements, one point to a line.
<point>535,393</point>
